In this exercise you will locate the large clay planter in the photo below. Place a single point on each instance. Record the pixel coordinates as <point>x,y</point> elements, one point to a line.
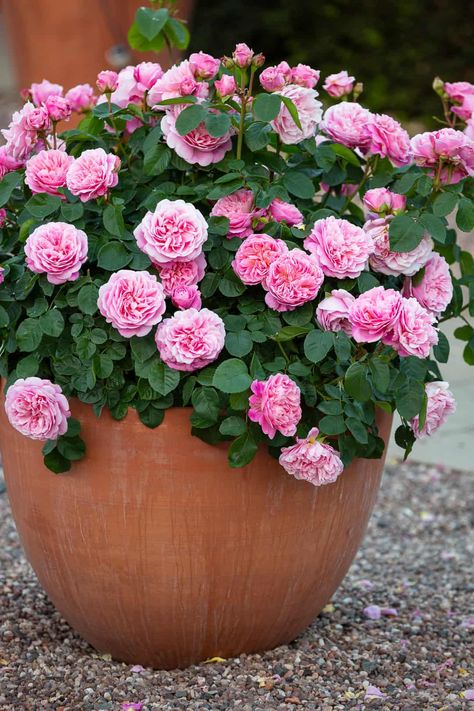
<point>158,553</point>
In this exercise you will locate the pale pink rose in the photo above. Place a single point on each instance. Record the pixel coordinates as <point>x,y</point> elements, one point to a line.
<point>382,201</point>
<point>332,313</point>
<point>434,290</point>
<point>339,84</point>
<point>254,256</point>
<point>190,339</point>
<point>81,97</point>
<point>242,55</point>
<point>175,231</point>
<point>186,297</point>
<point>41,91</point>
<point>57,250</point>
<point>197,146</point>
<point>312,461</point>
<point>440,405</point>
<point>446,145</point>
<point>341,248</point>
<point>8,163</point>
<point>239,208</point>
<point>469,130</point>
<point>304,75</point>
<point>171,85</point>
<point>225,86</point>
<point>3,219</point>
<point>466,110</point>
<point>347,123</point>
<point>174,274</point>
<point>309,113</point>
<point>146,74</point>
<point>384,261</point>
<point>37,408</point>
<point>413,333</point>
<point>275,405</point>
<point>21,138</point>
<point>39,119</point>
<point>107,81</point>
<point>133,302</point>
<point>273,79</point>
<point>127,91</point>
<point>93,174</point>
<point>458,90</point>
<point>374,314</point>
<point>58,108</point>
<point>389,140</point>
<point>282,211</point>
<point>203,65</point>
<point>467,156</point>
<point>46,172</point>
<point>292,279</point>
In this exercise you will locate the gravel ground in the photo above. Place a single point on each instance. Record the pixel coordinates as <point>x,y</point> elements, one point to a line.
<point>416,559</point>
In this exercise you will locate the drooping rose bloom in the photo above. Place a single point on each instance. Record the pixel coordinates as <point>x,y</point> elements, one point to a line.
<point>293,279</point>
<point>413,333</point>
<point>239,208</point>
<point>254,256</point>
<point>332,313</point>
<point>190,339</point>
<point>58,250</point>
<point>275,405</point>
<point>303,75</point>
<point>46,172</point>
<point>37,408</point>
<point>339,84</point>
<point>81,97</point>
<point>58,108</point>
<point>341,248</point>
<point>175,274</point>
<point>21,138</point>
<point>93,174</point>
<point>434,290</point>
<point>133,302</point>
<point>312,461</point>
<point>175,231</point>
<point>446,145</point>
<point>389,140</point>
<point>197,146</point>
<point>441,404</point>
<point>384,261</point>
<point>466,109</point>
<point>458,90</point>
<point>309,112</point>
<point>186,297</point>
<point>7,162</point>
<point>282,211</point>
<point>107,81</point>
<point>347,123</point>
<point>383,201</point>
<point>374,314</point>
<point>203,65</point>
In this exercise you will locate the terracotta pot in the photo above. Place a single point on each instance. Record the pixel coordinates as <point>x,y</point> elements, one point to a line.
<point>157,552</point>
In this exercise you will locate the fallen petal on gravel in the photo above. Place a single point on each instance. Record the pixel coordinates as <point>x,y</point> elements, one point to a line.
<point>373,692</point>
<point>373,612</point>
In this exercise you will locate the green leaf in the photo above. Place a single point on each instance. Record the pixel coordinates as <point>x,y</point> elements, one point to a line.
<point>265,107</point>
<point>206,407</point>
<point>8,185</point>
<point>242,450</point>
<point>298,184</point>
<point>87,299</point>
<point>287,333</point>
<point>292,110</point>
<point>177,33</point>
<point>210,284</point>
<point>56,463</point>
<point>342,346</point>
<point>72,212</point>
<point>230,285</point>
<point>29,335</point>
<point>113,220</point>
<point>162,378</point>
<point>331,407</point>
<point>73,428</point>
<point>380,374</point>
<point>441,350</point>
<point>444,204</point>
<point>85,349</point>
<point>52,323</point>
<point>300,316</point>
<point>143,347</point>
<point>332,425</point>
<point>317,345</point>
<point>190,118</point>
<point>103,366</point>
<point>346,153</point>
<point>232,376</point>
<point>156,159</point>
<point>217,124</point>
<point>150,22</point>
<point>355,382</point>
<point>405,234</point>
<point>257,135</point>
<point>72,448</point>
<point>465,215</point>
<point>233,426</point>
<point>357,429</point>
<point>435,226</point>
<point>26,367</point>
<point>151,416</point>
<point>4,317</point>
<point>238,343</point>
<point>113,256</point>
<point>409,398</point>
<point>42,205</point>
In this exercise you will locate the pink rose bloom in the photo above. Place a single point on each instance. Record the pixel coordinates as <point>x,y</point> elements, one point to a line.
<point>58,250</point>
<point>93,174</point>
<point>273,79</point>
<point>435,289</point>
<point>133,302</point>
<point>239,208</point>
<point>468,131</point>
<point>190,339</point>
<point>175,231</point>
<point>309,112</point>
<point>8,163</point>
<point>186,297</point>
<point>440,405</point>
<point>107,81</point>
<point>466,109</point>
<point>46,172</point>
<point>81,97</point>
<point>203,65</point>
<point>275,405</point>
<point>341,248</point>
<point>146,74</point>
<point>384,261</point>
<point>174,274</point>
<point>172,83</point>
<point>41,91</point>
<point>58,108</point>
<point>413,333</point>
<point>282,211</point>
<point>389,140</point>
<point>21,138</point>
<point>347,123</point>
<point>39,119</point>
<point>382,200</point>
<point>374,314</point>
<point>312,461</point>
<point>37,408</point>
<point>458,90</point>
<point>339,84</point>
<point>242,55</point>
<point>3,219</point>
<point>431,147</point>
<point>303,75</point>
<point>197,146</point>
<point>332,313</point>
<point>254,256</point>
<point>292,279</point>
<point>225,86</point>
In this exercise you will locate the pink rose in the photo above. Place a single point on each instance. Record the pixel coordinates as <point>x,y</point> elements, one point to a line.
<point>413,333</point>
<point>440,405</point>
<point>46,172</point>
<point>458,90</point>
<point>341,248</point>
<point>282,211</point>
<point>225,86</point>
<point>466,110</point>
<point>434,290</point>
<point>190,339</point>
<point>292,279</point>
<point>347,123</point>
<point>273,79</point>
<point>309,113</point>
<point>146,74</point>
<point>312,461</point>
<point>203,65</point>
<point>443,149</point>
<point>58,108</point>
<point>37,408</point>
<point>39,119</point>
<point>197,146</point>
<point>7,162</point>
<point>254,256</point>
<point>384,261</point>
<point>3,219</point>
<point>81,97</point>
<point>186,297</point>
<point>58,250</point>
<point>107,81</point>
<point>332,313</point>
<point>172,83</point>
<point>389,140</point>
<point>304,75</point>
<point>21,138</point>
<point>175,231</point>
<point>242,55</point>
<point>382,201</point>
<point>174,274</point>
<point>239,208</point>
<point>93,174</point>
<point>468,131</point>
<point>41,91</point>
<point>339,84</point>
<point>374,314</point>
<point>275,405</point>
<point>133,302</point>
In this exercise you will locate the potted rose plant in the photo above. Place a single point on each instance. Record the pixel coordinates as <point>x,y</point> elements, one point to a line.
<point>215,294</point>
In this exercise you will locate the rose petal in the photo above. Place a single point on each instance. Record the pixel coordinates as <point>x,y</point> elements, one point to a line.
<point>373,612</point>
<point>373,692</point>
<point>137,669</point>
<point>468,695</point>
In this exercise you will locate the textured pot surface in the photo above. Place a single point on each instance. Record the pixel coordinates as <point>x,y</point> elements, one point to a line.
<point>157,552</point>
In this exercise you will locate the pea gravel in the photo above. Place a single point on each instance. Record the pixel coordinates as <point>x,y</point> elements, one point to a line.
<point>417,558</point>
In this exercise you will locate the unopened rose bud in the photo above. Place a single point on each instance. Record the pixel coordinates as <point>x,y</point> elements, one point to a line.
<point>107,81</point>
<point>258,60</point>
<point>225,86</point>
<point>242,55</point>
<point>25,94</point>
<point>227,62</point>
<point>358,89</point>
<point>438,86</point>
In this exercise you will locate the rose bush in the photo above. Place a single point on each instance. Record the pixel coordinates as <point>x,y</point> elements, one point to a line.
<point>213,236</point>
